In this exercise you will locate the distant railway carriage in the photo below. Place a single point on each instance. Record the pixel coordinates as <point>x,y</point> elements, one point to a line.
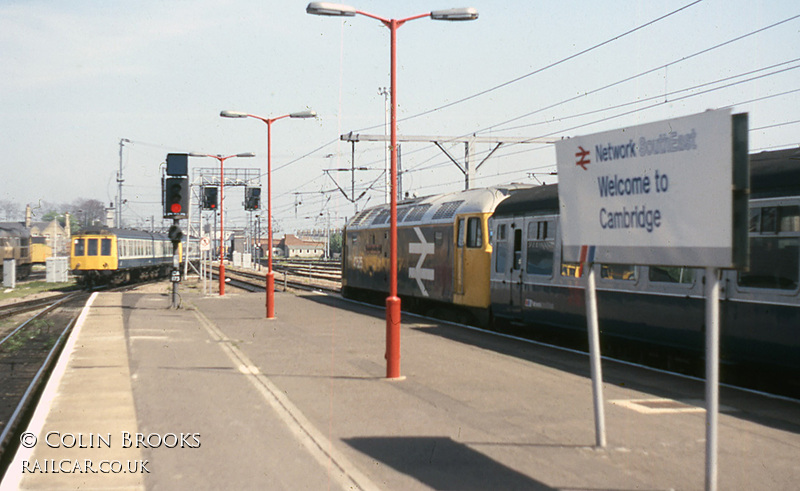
<point>15,243</point>
<point>442,244</point>
<point>113,255</point>
<point>662,306</point>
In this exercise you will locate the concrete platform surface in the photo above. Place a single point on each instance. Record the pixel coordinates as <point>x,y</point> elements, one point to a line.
<point>214,396</point>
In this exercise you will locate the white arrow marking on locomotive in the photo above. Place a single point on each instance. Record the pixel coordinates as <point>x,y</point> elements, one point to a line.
<point>423,248</point>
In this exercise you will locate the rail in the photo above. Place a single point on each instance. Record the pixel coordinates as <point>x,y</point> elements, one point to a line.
<point>299,276</point>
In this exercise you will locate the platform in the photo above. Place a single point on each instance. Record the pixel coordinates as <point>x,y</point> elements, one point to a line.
<point>225,399</point>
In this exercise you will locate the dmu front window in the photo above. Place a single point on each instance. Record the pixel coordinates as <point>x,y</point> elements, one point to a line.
<point>80,247</point>
<point>105,247</point>
<point>92,247</point>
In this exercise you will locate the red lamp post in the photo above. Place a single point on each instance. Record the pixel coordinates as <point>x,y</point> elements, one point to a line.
<point>270,275</point>
<point>221,216</point>
<point>392,301</point>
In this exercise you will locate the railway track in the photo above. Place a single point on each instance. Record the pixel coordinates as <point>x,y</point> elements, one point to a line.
<point>28,348</point>
<point>298,276</point>
<point>12,309</point>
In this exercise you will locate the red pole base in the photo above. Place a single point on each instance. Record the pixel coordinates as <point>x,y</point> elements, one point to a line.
<point>393,337</point>
<point>221,278</point>
<point>270,295</point>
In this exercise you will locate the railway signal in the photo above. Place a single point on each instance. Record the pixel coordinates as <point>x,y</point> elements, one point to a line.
<point>252,199</point>
<point>176,197</point>
<point>177,164</point>
<point>210,198</point>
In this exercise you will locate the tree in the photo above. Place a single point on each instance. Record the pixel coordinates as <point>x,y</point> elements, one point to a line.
<point>10,210</point>
<point>88,212</point>
<point>336,242</point>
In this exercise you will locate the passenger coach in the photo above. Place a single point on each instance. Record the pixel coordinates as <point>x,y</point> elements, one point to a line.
<point>662,306</point>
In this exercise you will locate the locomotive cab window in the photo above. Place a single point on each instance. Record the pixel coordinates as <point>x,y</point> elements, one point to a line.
<point>80,247</point>
<point>474,233</point>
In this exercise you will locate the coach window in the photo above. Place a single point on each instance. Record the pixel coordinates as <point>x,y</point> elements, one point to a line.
<point>474,233</point>
<point>541,243</point>
<point>774,248</point>
<point>675,274</point>
<point>500,249</point>
<point>105,247</point>
<point>625,272</point>
<point>80,248</point>
<point>92,247</point>
<point>570,269</point>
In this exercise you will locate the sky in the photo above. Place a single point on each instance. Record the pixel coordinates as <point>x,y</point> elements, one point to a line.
<point>80,76</point>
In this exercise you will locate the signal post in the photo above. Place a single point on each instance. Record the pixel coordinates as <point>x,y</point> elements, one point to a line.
<point>176,206</point>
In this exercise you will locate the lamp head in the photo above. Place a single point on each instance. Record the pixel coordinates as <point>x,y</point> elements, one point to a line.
<point>303,114</point>
<point>468,13</point>
<point>331,9</point>
<point>233,114</point>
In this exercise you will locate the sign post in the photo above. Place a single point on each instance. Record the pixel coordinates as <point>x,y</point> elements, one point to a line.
<point>669,193</point>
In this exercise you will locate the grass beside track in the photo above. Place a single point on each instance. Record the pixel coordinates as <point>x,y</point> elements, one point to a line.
<point>33,287</point>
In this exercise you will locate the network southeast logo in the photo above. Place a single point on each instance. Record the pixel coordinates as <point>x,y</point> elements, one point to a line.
<point>581,156</point>
<point>664,143</point>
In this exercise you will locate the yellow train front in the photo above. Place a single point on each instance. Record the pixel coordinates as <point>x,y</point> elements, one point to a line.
<point>443,253</point>
<point>110,255</point>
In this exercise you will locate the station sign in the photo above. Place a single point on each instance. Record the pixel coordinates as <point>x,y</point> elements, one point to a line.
<point>669,193</point>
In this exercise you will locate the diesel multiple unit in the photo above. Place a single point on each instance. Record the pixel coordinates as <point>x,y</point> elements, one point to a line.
<point>111,255</point>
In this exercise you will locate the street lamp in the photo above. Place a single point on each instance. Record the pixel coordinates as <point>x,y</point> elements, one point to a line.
<point>392,301</point>
<point>270,275</point>
<point>221,201</point>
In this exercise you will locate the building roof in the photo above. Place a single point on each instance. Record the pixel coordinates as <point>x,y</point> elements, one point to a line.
<point>290,240</point>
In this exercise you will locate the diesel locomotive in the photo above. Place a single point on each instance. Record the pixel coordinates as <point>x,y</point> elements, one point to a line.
<point>15,243</point>
<point>443,251</point>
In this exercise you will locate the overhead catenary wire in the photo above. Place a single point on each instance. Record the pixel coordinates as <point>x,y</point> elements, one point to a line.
<point>546,67</point>
<point>497,125</point>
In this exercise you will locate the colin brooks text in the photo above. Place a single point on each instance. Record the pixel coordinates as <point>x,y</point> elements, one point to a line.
<point>55,439</point>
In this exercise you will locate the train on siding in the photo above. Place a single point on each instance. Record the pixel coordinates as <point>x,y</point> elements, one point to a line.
<point>496,254</point>
<point>112,255</point>
<point>15,243</point>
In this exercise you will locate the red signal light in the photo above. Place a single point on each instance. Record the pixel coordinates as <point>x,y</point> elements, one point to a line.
<point>175,208</point>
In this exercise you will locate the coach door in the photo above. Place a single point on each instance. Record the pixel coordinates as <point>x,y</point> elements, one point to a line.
<point>516,273</point>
